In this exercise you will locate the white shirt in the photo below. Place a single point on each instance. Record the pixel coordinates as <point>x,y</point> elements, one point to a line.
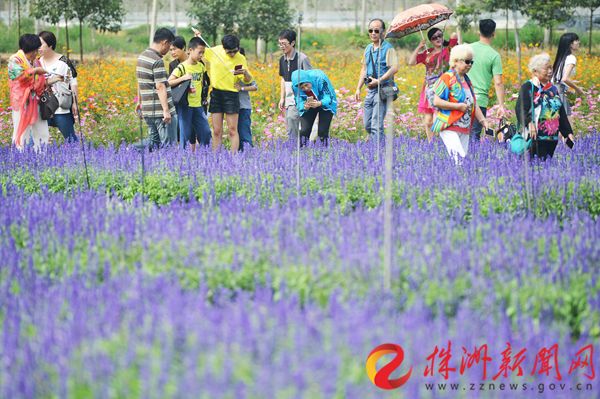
<point>570,60</point>
<point>60,68</point>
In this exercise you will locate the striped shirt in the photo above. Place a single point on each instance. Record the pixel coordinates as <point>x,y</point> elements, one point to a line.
<point>149,71</point>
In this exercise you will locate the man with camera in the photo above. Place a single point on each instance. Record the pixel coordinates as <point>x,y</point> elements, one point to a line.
<point>379,65</point>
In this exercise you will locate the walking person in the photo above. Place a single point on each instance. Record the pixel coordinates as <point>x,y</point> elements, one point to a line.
<point>227,67</point>
<point>564,69</point>
<point>379,65</point>
<point>540,110</point>
<point>487,68</point>
<point>436,60</point>
<point>315,95</point>
<point>290,61</point>
<point>65,89</point>
<point>27,82</point>
<point>456,104</point>
<point>193,122</point>
<point>245,116</point>
<point>154,92</point>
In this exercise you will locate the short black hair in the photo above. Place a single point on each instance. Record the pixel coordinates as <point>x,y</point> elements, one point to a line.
<point>230,42</point>
<point>163,34</point>
<point>29,42</point>
<point>178,42</point>
<point>289,35</point>
<point>196,42</point>
<point>378,19</point>
<point>242,51</point>
<point>487,27</point>
<point>49,38</point>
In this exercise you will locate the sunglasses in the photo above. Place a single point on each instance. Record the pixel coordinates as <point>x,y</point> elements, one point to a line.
<point>468,62</point>
<point>374,31</point>
<point>436,37</point>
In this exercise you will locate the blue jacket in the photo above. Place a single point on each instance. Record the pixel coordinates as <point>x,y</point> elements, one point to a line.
<point>321,86</point>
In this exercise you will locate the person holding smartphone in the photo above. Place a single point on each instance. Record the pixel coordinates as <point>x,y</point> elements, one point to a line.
<point>314,96</point>
<point>225,79</point>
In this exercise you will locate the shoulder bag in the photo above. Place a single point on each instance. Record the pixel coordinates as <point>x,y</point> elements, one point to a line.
<point>179,92</point>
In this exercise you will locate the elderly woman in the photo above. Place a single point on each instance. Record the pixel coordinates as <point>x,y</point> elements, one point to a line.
<point>540,110</point>
<point>455,103</point>
<point>27,82</point>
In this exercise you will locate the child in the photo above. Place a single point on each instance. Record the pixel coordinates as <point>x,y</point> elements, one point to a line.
<point>244,119</point>
<point>193,121</point>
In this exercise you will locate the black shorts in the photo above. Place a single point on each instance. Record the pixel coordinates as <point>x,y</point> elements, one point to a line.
<point>224,102</point>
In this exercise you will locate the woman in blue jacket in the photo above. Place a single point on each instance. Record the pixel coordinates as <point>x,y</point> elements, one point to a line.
<point>314,95</point>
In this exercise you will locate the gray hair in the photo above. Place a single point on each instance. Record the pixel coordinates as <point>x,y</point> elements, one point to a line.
<point>539,60</point>
<point>460,52</point>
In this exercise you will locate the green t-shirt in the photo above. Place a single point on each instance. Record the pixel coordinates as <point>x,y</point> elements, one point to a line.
<point>487,65</point>
<point>197,70</point>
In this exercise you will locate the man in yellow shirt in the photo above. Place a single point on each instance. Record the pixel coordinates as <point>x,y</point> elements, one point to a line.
<point>192,119</point>
<point>226,67</point>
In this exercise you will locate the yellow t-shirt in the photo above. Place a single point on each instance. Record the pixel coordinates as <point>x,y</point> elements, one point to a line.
<point>221,66</point>
<point>196,70</point>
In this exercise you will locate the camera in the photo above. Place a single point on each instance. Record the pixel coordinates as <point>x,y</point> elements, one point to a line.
<point>368,80</point>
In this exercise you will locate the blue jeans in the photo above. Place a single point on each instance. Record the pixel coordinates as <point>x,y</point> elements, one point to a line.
<point>476,126</point>
<point>66,124</point>
<point>180,136</point>
<point>162,134</point>
<point>244,127</point>
<point>374,110</point>
<point>193,126</point>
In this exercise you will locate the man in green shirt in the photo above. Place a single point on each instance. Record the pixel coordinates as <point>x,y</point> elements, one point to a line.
<point>487,67</point>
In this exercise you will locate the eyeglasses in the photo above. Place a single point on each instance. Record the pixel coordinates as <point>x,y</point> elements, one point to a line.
<point>232,51</point>
<point>436,37</point>
<point>374,30</point>
<point>283,44</point>
<point>468,62</point>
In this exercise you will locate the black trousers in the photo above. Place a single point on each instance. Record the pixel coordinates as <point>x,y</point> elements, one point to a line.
<point>542,149</point>
<point>308,119</point>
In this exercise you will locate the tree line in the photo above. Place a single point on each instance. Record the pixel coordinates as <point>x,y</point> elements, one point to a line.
<point>250,19</point>
<point>545,13</point>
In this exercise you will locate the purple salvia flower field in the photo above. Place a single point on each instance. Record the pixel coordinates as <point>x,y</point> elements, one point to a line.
<point>223,280</point>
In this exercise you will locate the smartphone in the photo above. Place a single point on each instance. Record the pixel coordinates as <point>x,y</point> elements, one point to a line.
<point>569,143</point>
<point>489,132</point>
<point>238,67</point>
<point>310,93</point>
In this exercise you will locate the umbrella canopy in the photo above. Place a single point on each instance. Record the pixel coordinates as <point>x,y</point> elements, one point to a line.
<point>418,18</point>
